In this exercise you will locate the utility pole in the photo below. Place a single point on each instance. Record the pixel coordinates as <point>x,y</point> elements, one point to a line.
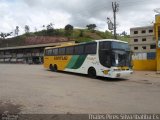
<point>115,7</point>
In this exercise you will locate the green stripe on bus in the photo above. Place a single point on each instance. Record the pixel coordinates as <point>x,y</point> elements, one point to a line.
<point>76,61</point>
<point>72,61</point>
<point>79,62</point>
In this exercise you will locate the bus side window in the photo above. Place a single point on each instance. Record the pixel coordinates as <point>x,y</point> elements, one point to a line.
<point>91,48</point>
<point>105,45</point>
<point>46,52</point>
<point>61,51</point>
<point>53,51</point>
<point>105,58</point>
<point>50,52</point>
<point>79,50</point>
<point>69,50</point>
<point>56,51</point>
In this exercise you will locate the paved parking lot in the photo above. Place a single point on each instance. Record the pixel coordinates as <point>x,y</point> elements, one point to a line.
<point>32,89</point>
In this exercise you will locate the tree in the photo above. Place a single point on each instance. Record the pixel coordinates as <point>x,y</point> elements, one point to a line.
<point>27,29</point>
<point>91,26</point>
<point>43,26</point>
<point>49,26</point>
<point>124,33</point>
<point>16,30</point>
<point>9,34</point>
<point>50,29</point>
<point>4,35</point>
<point>68,29</point>
<point>81,33</point>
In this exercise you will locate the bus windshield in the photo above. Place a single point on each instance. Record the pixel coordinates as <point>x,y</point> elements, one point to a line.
<point>114,54</point>
<point>120,46</point>
<point>120,58</point>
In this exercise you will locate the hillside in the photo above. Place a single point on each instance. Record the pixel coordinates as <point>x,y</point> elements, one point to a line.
<point>77,35</point>
<point>80,35</point>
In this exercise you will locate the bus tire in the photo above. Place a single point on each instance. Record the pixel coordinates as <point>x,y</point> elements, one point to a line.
<point>53,68</point>
<point>92,72</point>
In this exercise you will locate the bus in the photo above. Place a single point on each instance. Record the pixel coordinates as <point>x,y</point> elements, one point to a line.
<point>106,58</point>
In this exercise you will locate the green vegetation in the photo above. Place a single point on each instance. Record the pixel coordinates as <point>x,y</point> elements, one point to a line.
<point>82,35</point>
<point>77,35</point>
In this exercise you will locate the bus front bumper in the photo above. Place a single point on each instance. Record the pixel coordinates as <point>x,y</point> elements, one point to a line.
<point>120,74</point>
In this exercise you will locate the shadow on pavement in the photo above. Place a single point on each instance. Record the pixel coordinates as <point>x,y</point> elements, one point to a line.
<point>8,107</point>
<point>97,78</point>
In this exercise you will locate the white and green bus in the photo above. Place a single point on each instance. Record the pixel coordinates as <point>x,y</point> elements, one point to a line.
<point>107,58</point>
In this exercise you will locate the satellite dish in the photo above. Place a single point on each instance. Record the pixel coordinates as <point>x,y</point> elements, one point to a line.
<point>157,10</point>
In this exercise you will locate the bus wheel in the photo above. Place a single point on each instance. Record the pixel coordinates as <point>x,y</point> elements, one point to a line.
<point>55,68</point>
<point>51,67</point>
<point>92,72</point>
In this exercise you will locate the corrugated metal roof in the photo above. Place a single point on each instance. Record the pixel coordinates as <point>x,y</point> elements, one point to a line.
<point>34,46</point>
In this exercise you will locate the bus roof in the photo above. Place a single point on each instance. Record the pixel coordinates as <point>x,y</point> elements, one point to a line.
<point>72,44</point>
<point>111,40</point>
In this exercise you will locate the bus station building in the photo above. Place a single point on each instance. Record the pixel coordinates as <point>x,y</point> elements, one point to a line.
<point>145,45</point>
<point>29,53</point>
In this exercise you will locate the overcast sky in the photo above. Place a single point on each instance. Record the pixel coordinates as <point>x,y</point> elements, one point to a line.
<point>79,13</point>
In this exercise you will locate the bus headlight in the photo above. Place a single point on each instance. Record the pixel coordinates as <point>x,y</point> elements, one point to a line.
<point>105,72</point>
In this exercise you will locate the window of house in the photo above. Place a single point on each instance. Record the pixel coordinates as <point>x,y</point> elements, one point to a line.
<point>150,31</point>
<point>144,47</point>
<point>151,55</point>
<point>143,31</point>
<point>144,39</point>
<point>135,32</point>
<point>152,46</point>
<point>135,40</point>
<point>135,48</point>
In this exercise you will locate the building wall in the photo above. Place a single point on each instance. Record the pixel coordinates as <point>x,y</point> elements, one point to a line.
<point>145,65</point>
<point>143,46</point>
<point>141,30</point>
<point>27,54</point>
<point>33,55</point>
<point>146,48</point>
<point>142,40</point>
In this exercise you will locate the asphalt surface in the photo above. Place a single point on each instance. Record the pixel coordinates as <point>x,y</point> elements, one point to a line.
<point>32,89</point>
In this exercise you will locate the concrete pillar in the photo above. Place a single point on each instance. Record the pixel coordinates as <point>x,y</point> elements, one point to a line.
<point>157,35</point>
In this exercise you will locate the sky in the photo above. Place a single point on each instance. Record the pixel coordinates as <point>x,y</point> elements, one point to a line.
<point>79,13</point>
